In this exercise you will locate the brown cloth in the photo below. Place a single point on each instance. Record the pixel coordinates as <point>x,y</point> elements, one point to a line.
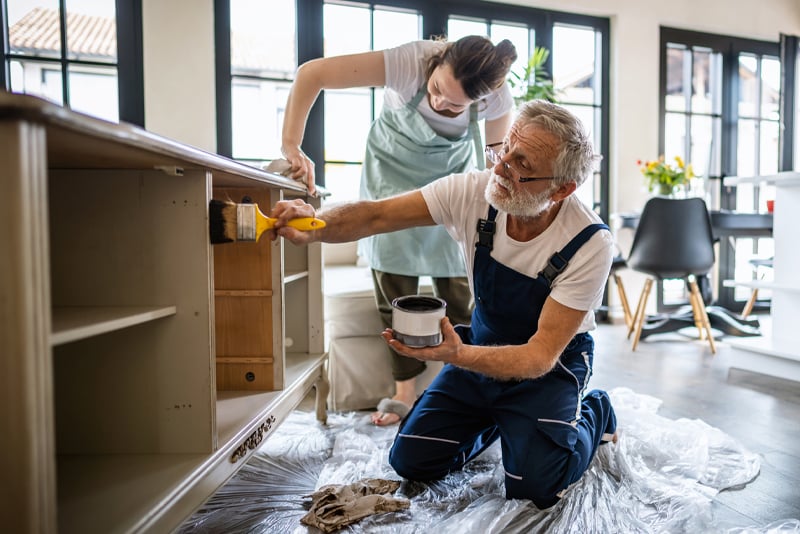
<point>336,506</point>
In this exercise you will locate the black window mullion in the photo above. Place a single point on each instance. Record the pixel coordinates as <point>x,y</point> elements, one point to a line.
<point>605,120</point>
<point>310,46</point>
<point>5,75</point>
<point>434,20</point>
<point>130,67</point>
<point>223,77</point>
<point>728,166</point>
<point>62,21</point>
<point>788,57</point>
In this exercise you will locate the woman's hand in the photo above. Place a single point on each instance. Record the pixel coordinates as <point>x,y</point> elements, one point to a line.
<point>446,352</point>
<point>302,168</point>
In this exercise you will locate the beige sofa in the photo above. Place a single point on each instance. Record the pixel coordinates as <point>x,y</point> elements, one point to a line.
<point>358,358</point>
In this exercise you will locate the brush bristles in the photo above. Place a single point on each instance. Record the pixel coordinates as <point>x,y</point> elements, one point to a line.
<point>222,223</point>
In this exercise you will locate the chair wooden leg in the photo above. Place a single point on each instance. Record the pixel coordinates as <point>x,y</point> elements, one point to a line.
<point>639,309</point>
<point>696,312</point>
<point>748,307</point>
<point>626,309</point>
<point>640,312</point>
<point>703,315</point>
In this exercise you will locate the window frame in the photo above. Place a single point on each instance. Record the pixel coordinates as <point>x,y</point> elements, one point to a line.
<point>434,22</point>
<point>129,64</point>
<point>729,48</point>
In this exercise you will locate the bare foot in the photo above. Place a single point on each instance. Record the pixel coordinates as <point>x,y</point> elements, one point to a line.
<point>610,438</point>
<point>392,412</point>
<point>385,418</point>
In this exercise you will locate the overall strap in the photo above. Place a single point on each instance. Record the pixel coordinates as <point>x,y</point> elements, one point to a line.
<point>486,228</point>
<point>559,261</point>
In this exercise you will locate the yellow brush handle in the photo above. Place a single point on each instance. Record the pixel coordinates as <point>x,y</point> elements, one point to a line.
<point>303,223</point>
<point>264,223</point>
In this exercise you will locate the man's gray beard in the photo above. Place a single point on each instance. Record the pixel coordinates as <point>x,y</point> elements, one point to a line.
<point>519,203</point>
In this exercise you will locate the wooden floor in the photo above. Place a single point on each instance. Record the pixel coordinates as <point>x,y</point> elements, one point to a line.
<point>761,412</point>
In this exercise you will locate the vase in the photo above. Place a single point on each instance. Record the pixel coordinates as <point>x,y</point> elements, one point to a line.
<point>666,190</point>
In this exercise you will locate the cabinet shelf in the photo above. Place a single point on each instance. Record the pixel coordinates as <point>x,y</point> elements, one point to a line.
<point>73,323</point>
<point>131,492</point>
<point>785,179</point>
<point>759,284</point>
<point>291,277</point>
<point>240,412</point>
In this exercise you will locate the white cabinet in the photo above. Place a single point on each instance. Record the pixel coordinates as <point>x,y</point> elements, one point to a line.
<point>782,340</point>
<point>109,325</point>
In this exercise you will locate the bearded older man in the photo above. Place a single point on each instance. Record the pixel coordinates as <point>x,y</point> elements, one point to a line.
<point>537,260</point>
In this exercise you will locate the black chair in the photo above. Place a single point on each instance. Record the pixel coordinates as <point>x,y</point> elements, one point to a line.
<point>673,240</point>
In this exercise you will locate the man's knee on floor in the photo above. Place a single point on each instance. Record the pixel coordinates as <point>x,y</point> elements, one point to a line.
<point>412,465</point>
<point>542,500</point>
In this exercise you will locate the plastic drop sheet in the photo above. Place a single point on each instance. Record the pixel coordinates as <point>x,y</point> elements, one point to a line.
<point>661,476</point>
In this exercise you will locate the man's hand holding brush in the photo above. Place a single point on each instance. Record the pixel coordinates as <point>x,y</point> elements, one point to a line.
<point>284,212</point>
<point>350,221</point>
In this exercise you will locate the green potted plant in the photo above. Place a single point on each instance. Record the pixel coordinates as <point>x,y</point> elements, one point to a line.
<point>534,82</point>
<point>666,178</point>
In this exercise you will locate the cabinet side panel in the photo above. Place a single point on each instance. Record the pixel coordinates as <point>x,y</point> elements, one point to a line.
<point>134,238</point>
<point>27,462</point>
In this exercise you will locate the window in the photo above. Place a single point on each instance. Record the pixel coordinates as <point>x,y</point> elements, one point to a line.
<point>693,108</point>
<point>720,99</point>
<point>349,29</point>
<point>578,75</point>
<point>262,68</point>
<point>74,53</point>
<point>338,124</point>
<point>576,58</point>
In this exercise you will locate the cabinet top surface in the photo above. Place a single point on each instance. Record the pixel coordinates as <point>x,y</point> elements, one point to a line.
<point>784,179</point>
<point>79,141</point>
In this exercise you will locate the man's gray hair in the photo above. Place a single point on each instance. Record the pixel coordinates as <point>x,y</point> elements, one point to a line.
<point>575,159</point>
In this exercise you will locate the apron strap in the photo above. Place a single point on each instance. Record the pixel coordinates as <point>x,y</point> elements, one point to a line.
<point>559,261</point>
<point>414,102</point>
<point>475,130</point>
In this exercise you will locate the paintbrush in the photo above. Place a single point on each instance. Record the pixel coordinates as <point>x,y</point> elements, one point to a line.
<point>229,222</point>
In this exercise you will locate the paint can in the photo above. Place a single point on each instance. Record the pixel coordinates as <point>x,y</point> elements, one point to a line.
<point>416,318</point>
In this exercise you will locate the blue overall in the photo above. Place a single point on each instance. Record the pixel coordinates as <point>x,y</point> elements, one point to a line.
<point>549,430</point>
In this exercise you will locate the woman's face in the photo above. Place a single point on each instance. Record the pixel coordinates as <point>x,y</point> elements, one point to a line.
<point>445,94</point>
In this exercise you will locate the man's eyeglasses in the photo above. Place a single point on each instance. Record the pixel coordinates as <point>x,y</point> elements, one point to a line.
<point>495,155</point>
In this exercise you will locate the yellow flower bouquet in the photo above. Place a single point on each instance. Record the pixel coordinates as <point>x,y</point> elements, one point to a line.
<point>666,177</point>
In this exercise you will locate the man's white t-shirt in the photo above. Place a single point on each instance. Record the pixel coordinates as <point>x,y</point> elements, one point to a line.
<point>405,74</point>
<point>457,202</point>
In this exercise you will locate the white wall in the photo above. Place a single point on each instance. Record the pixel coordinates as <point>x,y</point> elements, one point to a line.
<point>179,92</point>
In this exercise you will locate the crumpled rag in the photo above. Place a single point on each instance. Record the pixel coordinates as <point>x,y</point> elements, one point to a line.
<point>335,506</point>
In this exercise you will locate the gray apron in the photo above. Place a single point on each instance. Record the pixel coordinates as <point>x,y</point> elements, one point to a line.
<point>404,153</point>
